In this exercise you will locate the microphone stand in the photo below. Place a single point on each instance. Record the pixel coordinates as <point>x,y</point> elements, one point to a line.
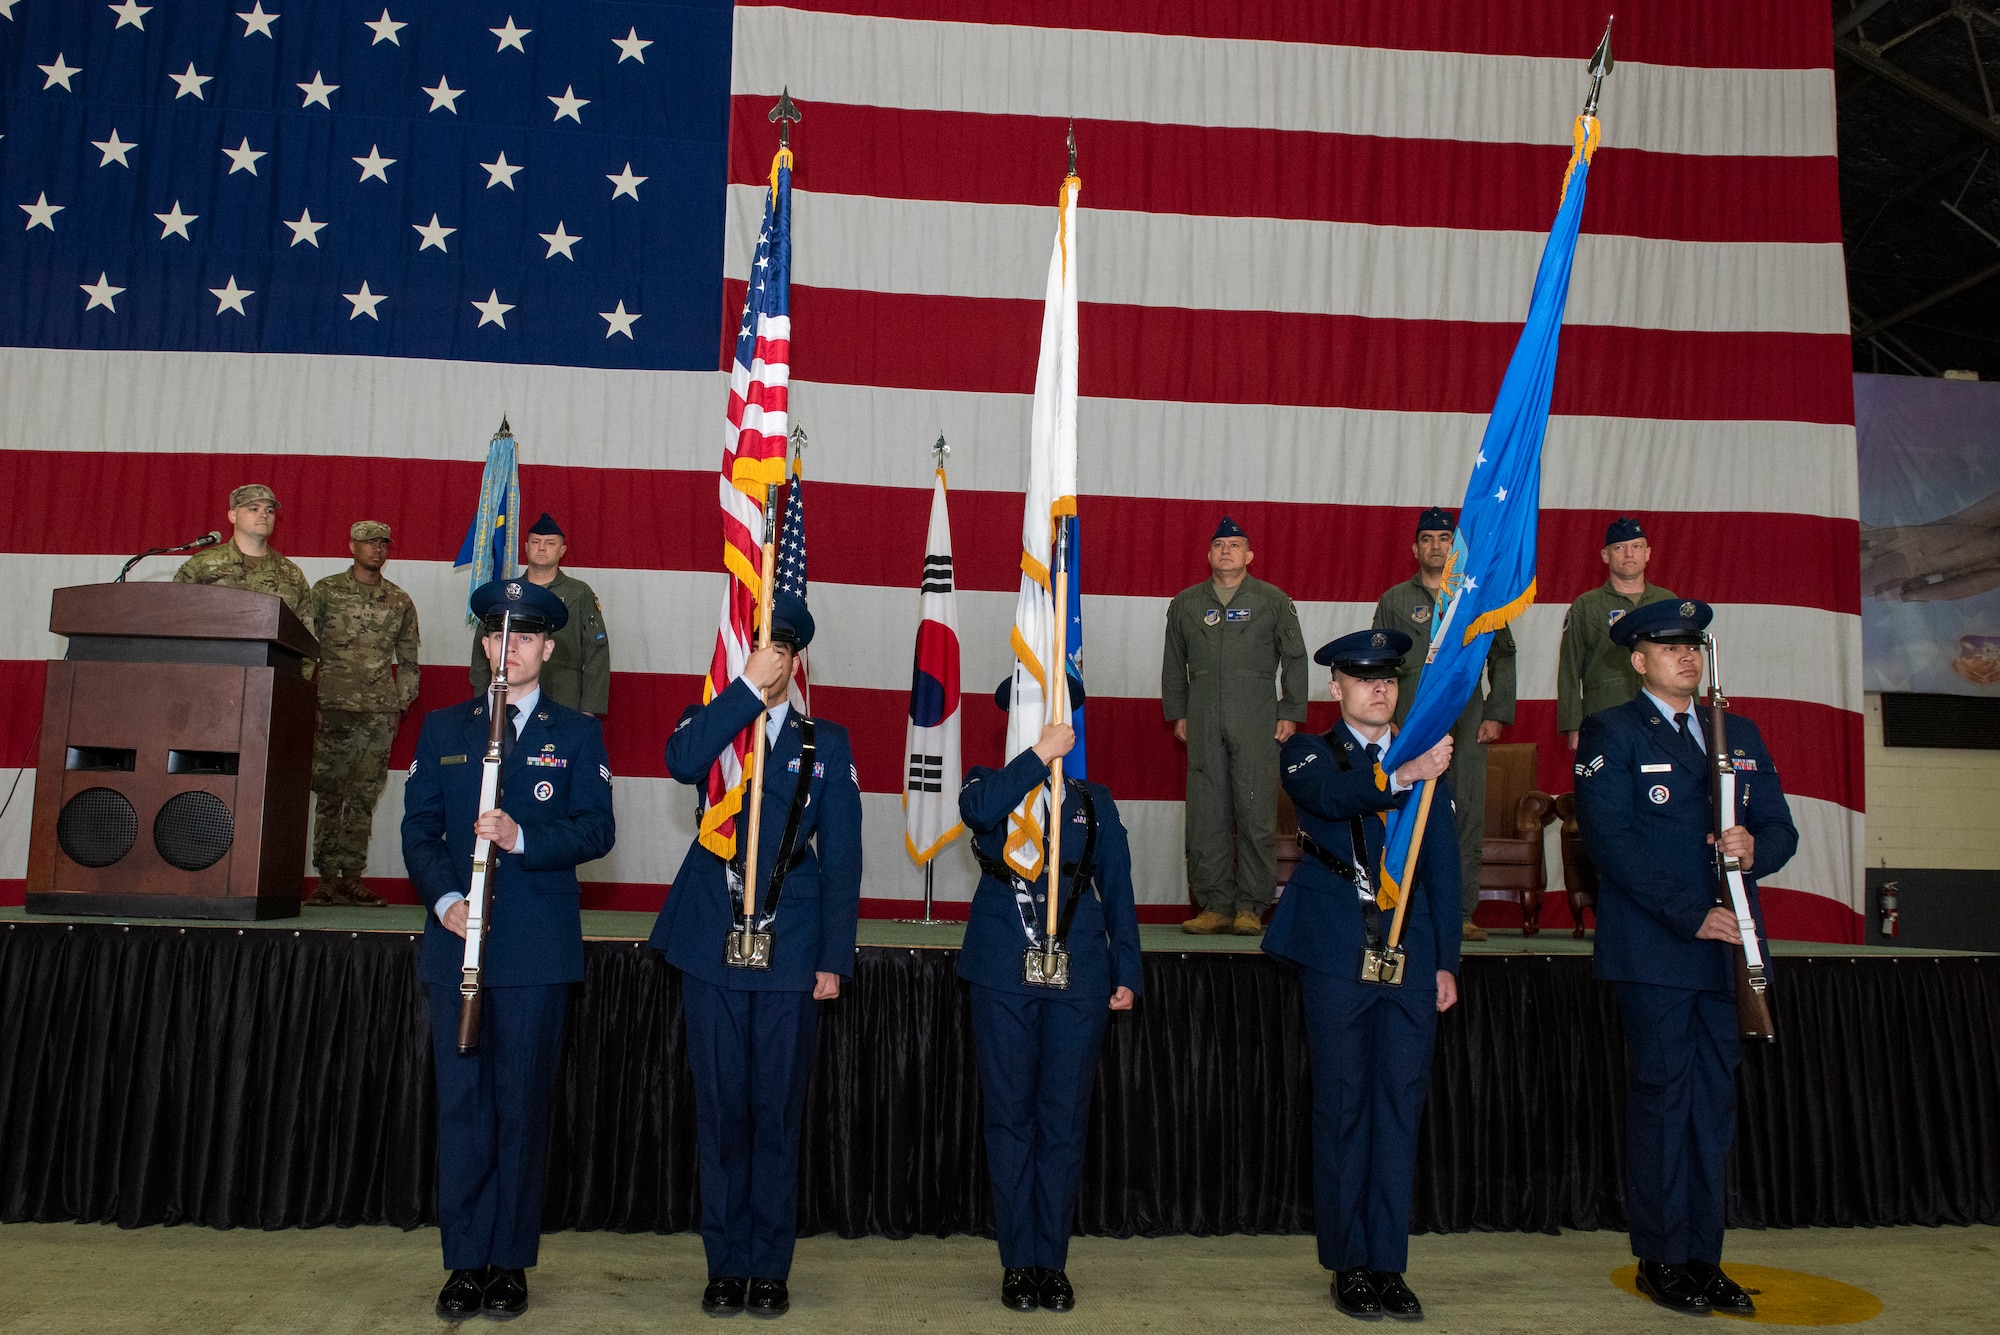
<point>205,541</point>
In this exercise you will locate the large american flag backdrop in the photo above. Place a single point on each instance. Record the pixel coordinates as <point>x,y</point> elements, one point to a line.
<point>327,245</point>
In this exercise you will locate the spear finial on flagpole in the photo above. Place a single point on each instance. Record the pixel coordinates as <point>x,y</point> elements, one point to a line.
<point>784,114</point>
<point>1072,148</point>
<point>504,430</point>
<point>798,443</point>
<point>940,451</point>
<point>1600,65</point>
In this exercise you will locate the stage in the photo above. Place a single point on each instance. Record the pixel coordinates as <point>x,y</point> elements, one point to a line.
<point>277,1075</point>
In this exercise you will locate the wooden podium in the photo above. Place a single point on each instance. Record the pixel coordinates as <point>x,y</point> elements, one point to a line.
<point>175,771</point>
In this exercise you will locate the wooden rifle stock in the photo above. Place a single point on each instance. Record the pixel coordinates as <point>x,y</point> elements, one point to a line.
<point>478,896</point>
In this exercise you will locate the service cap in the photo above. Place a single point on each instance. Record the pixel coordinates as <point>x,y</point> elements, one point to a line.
<point>535,609</point>
<point>1366,654</point>
<point>1003,694</point>
<point>1437,519</point>
<point>791,620</point>
<point>547,527</point>
<point>1229,528</point>
<point>1668,622</point>
<point>1622,529</point>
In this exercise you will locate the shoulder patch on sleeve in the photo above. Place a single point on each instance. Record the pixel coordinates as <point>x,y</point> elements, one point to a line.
<point>1585,769</point>
<point>413,769</point>
<point>1294,769</point>
<point>853,774</point>
<point>684,722</point>
<point>604,772</point>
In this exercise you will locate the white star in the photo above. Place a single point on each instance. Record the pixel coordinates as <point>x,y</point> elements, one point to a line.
<point>559,240</point>
<point>375,165</point>
<point>114,150</point>
<point>257,21</point>
<point>59,73</point>
<point>305,229</point>
<point>492,310</point>
<point>41,213</point>
<point>433,234</point>
<point>1500,495</point>
<point>230,298</point>
<point>569,104</point>
<point>510,36</point>
<point>317,91</point>
<point>444,95</point>
<point>1480,461</point>
<point>243,158</point>
<point>500,171</point>
<point>190,83</point>
<point>626,182</point>
<point>7,9</point>
<point>175,223</point>
<point>131,14</point>
<point>385,30</point>
<point>631,46</point>
<point>365,301</point>
<point>619,320</point>
<point>101,293</point>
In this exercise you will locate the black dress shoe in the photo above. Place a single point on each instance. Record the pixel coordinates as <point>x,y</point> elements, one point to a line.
<point>1354,1293</point>
<point>1056,1294</point>
<point>461,1295</point>
<point>1674,1287</point>
<point>506,1294</point>
<point>1395,1296</point>
<point>1724,1294</point>
<point>724,1295</point>
<point>767,1297</point>
<point>1021,1287</point>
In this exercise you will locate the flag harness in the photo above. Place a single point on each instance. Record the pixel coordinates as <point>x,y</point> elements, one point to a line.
<point>1082,874</point>
<point>1355,874</point>
<point>790,854</point>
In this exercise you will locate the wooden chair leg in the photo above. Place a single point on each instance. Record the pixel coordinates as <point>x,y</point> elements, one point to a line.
<point>1531,911</point>
<point>1576,907</point>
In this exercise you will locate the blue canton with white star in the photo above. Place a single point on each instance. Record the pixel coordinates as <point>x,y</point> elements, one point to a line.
<point>490,180</point>
<point>792,542</point>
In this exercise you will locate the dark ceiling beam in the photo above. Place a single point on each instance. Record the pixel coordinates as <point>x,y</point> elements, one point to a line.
<point>1892,345</point>
<point>1857,16</point>
<point>1971,280</point>
<point>1910,85</point>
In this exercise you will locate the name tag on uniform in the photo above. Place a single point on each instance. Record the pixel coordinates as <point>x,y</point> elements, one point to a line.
<point>1656,769</point>
<point>1239,613</point>
<point>451,760</point>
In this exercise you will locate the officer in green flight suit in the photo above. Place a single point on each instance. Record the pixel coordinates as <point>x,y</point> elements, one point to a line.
<point>1411,607</point>
<point>1594,673</point>
<point>579,673</point>
<point>1233,684</point>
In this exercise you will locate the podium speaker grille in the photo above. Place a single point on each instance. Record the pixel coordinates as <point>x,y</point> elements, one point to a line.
<point>97,827</point>
<point>193,830</point>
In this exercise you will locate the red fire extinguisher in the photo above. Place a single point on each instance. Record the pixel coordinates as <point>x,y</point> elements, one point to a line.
<point>1889,909</point>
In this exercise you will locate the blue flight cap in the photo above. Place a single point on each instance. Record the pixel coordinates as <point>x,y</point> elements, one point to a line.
<point>1003,694</point>
<point>535,609</point>
<point>1365,654</point>
<point>1622,529</point>
<point>791,620</point>
<point>547,527</point>
<point>1667,622</point>
<point>1435,520</point>
<point>1229,528</point>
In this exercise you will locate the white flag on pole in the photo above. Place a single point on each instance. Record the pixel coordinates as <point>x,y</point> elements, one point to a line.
<point>933,769</point>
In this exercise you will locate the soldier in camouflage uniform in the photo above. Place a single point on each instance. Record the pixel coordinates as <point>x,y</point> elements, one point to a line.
<point>1411,607</point>
<point>1595,673</point>
<point>247,560</point>
<point>367,672</point>
<point>578,674</point>
<point>1231,642</point>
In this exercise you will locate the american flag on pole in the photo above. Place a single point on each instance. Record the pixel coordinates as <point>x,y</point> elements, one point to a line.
<point>792,567</point>
<point>1314,228</point>
<point>753,460</point>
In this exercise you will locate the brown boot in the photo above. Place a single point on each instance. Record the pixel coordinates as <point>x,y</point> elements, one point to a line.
<point>360,895</point>
<point>1208,923</point>
<point>1248,923</point>
<point>329,893</point>
<point>1471,931</point>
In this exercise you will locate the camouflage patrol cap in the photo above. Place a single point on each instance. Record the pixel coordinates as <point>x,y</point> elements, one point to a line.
<point>250,493</point>
<point>369,530</point>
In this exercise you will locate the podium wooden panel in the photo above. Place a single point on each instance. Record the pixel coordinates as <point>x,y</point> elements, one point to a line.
<point>175,772</point>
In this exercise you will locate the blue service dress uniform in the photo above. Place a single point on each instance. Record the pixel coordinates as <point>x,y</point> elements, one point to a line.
<point>750,1032</point>
<point>1642,796</point>
<point>1037,1047</point>
<point>1370,1044</point>
<point>493,1105</point>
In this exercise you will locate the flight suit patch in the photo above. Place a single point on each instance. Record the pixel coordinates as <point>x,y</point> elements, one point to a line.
<point>1420,615</point>
<point>1238,614</point>
<point>1212,617</point>
<point>1611,617</point>
<point>1658,794</point>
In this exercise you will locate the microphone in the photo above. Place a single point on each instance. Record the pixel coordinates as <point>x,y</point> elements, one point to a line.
<point>208,539</point>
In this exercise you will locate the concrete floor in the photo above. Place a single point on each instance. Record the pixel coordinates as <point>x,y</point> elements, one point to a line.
<point>61,1278</point>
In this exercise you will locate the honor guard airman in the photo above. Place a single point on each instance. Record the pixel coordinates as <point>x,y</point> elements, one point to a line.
<point>1233,684</point>
<point>751,1026</point>
<point>248,560</point>
<point>1668,941</point>
<point>367,675</point>
<point>1411,608</point>
<point>579,675</point>
<point>1037,1042</point>
<point>1594,672</point>
<point>1370,1041</point>
<point>553,815</point>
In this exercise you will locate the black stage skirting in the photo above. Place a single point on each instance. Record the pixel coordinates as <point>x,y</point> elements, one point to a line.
<point>273,1079</point>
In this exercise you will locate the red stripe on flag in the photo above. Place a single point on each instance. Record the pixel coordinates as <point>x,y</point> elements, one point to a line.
<point>1174,355</point>
<point>1656,32</point>
<point>1233,172</point>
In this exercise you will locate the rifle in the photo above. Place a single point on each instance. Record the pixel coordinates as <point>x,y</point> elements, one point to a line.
<point>750,948</point>
<point>1753,1009</point>
<point>470,979</point>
